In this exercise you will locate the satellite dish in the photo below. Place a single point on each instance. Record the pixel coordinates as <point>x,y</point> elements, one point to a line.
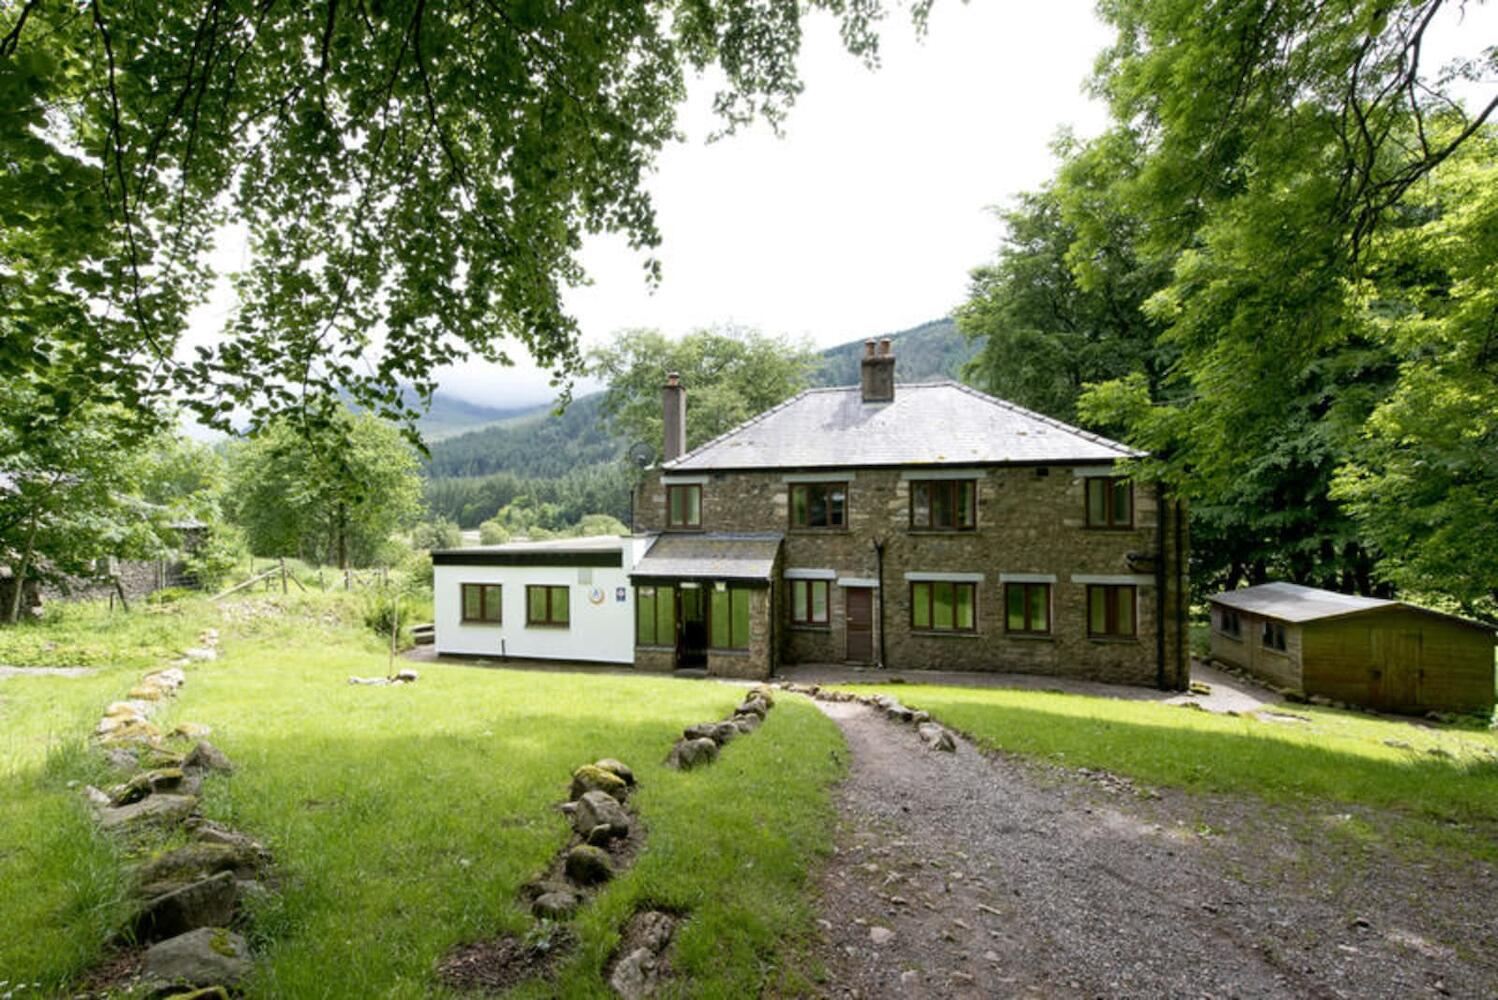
<point>641,455</point>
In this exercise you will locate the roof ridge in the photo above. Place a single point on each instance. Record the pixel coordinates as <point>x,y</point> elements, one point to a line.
<point>734,430</point>
<point>1052,421</point>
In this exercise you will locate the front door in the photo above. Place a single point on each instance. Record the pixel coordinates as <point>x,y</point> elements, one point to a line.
<point>1401,665</point>
<point>860,601</point>
<point>691,635</point>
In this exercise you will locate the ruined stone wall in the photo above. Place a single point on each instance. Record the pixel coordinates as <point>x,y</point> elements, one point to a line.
<point>1029,521</point>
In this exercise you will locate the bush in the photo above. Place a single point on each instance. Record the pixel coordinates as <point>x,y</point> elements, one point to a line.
<point>216,557</point>
<point>437,534</point>
<point>492,532</point>
<point>168,595</point>
<point>379,609</point>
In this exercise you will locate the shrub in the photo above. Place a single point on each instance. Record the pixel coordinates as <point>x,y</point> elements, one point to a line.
<point>492,532</point>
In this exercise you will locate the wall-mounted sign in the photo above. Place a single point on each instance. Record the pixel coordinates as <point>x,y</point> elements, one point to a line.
<point>619,594</point>
<point>596,595</point>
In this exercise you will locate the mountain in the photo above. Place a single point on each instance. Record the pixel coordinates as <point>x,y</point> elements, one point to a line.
<point>930,351</point>
<point>449,415</point>
<point>537,444</point>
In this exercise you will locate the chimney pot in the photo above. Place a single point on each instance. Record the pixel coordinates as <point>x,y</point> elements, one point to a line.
<point>877,373</point>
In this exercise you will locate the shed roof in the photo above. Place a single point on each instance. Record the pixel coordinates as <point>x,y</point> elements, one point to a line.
<point>711,557</point>
<point>1292,602</point>
<point>927,423</point>
<point>598,550</point>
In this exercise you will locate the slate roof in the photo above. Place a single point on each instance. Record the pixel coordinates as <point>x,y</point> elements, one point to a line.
<point>1292,602</point>
<point>711,557</point>
<point>927,423</point>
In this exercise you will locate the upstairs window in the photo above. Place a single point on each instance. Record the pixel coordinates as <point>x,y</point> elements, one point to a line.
<point>1274,636</point>
<point>943,504</point>
<point>1229,624</point>
<point>547,606</point>
<point>808,602</point>
<point>684,506</point>
<point>1110,611</point>
<point>1110,502</point>
<point>940,606</point>
<point>481,604</point>
<point>728,618</point>
<point>819,505</point>
<point>1027,608</point>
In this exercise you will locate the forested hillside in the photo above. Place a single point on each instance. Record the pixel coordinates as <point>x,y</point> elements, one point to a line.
<point>571,459</point>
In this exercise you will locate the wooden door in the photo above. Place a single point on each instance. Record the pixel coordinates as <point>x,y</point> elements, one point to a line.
<point>1402,668</point>
<point>860,619</point>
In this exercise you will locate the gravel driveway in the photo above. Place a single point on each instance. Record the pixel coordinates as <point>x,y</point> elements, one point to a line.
<point>976,875</point>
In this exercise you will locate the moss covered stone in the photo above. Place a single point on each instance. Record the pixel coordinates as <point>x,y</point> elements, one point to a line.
<point>592,778</point>
<point>589,865</point>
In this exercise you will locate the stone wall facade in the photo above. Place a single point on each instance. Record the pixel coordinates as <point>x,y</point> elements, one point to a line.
<point>1030,522</point>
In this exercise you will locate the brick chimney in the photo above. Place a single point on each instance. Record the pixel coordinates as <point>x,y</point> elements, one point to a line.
<point>674,407</point>
<point>877,372</point>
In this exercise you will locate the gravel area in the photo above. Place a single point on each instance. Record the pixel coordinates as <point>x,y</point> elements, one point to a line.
<point>974,875</point>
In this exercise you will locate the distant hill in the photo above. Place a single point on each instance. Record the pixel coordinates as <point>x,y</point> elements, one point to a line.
<point>450,415</point>
<point>930,351</point>
<point>538,444</point>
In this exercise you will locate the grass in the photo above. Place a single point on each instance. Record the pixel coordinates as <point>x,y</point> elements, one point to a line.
<point>1332,756</point>
<point>404,820</point>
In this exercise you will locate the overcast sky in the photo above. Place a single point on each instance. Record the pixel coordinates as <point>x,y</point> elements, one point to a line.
<point>867,214</point>
<point>864,218</point>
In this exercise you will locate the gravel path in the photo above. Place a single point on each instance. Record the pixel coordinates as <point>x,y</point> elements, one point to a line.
<point>974,875</point>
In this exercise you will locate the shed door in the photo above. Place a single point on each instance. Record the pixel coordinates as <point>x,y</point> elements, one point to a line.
<point>1398,658</point>
<point>860,601</point>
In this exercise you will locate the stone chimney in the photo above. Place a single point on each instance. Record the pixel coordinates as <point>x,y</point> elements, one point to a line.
<point>674,407</point>
<point>877,372</point>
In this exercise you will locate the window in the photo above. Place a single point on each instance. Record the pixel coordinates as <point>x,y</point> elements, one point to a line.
<point>1274,636</point>
<point>655,616</point>
<point>1229,624</point>
<point>1027,608</point>
<point>944,504</point>
<point>684,506</point>
<point>546,605</point>
<point>1110,611</point>
<point>941,606</point>
<point>819,505</point>
<point>728,618</point>
<point>809,602</point>
<point>481,604</point>
<point>1110,503</point>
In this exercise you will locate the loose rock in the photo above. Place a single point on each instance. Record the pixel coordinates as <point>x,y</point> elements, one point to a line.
<point>617,768</point>
<point>937,738</point>
<point>591,778</point>
<point>208,956</point>
<point>207,902</point>
<point>555,905</point>
<point>597,809</point>
<point>688,754</point>
<point>588,865</point>
<point>152,810</point>
<point>204,756</point>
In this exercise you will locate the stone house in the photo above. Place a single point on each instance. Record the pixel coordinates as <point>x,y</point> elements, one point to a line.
<point>913,526</point>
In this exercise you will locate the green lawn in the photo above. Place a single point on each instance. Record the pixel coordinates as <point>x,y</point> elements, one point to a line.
<point>403,820</point>
<point>1332,756</point>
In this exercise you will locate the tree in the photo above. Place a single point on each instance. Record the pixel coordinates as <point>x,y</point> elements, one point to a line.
<point>730,375</point>
<point>339,499</point>
<point>438,533</point>
<point>1423,481</point>
<point>415,178</point>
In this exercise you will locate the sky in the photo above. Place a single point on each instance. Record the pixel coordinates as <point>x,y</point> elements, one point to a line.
<point>863,218</point>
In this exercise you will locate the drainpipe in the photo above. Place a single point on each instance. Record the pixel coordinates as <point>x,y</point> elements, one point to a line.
<point>1159,586</point>
<point>879,596</point>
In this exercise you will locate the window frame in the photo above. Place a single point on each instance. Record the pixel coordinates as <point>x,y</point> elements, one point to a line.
<point>954,487</point>
<point>1272,637</point>
<point>931,627</point>
<point>709,615</point>
<point>810,621</point>
<point>1108,522</point>
<point>827,487</point>
<point>671,524</point>
<point>1110,611</point>
<point>1224,615</point>
<point>1029,608</point>
<point>483,618</point>
<point>550,621</point>
<point>662,597</point>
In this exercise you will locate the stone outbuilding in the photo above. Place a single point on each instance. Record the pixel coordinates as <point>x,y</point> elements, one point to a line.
<point>1368,651</point>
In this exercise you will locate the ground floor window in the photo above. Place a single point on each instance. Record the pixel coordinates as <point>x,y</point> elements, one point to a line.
<point>809,602</point>
<point>1110,611</point>
<point>943,606</point>
<point>728,617</point>
<point>1229,624</point>
<point>481,604</point>
<point>1027,608</point>
<point>545,605</point>
<point>655,616</point>
<point>1274,636</point>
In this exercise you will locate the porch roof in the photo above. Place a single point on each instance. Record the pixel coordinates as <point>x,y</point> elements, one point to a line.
<point>712,556</point>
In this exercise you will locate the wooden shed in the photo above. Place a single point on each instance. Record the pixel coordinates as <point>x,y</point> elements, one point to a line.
<point>1362,650</point>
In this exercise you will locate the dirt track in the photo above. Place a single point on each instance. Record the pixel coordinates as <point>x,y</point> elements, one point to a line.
<point>1001,877</point>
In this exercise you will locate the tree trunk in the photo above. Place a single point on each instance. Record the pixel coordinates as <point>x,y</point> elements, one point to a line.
<point>342,530</point>
<point>13,613</point>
